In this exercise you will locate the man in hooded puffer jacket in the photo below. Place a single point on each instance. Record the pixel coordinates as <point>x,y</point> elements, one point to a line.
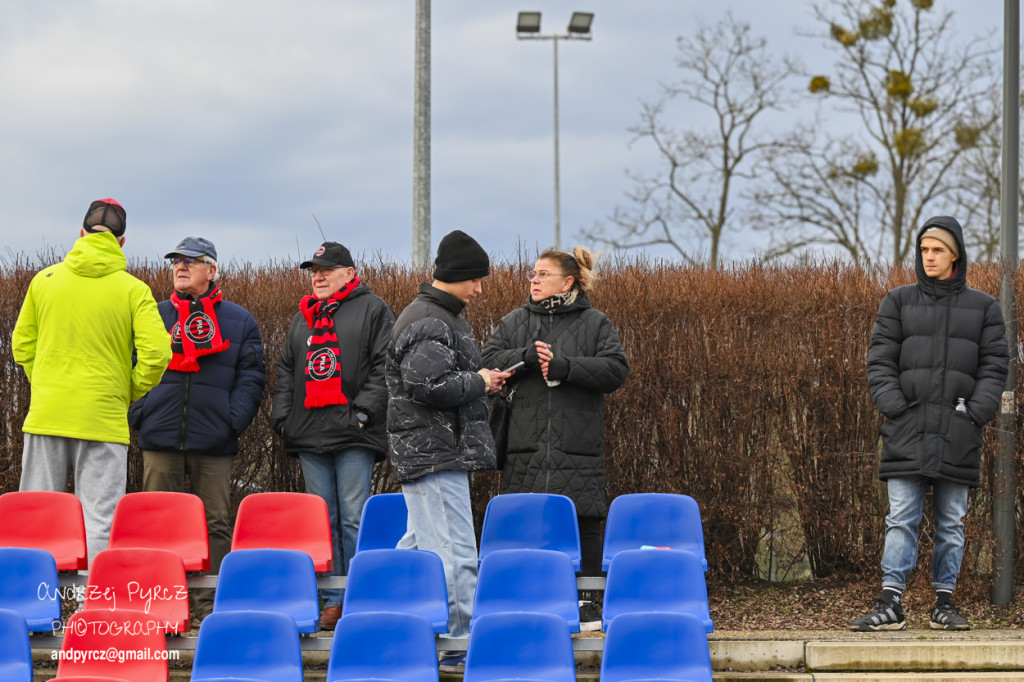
<point>936,369</point>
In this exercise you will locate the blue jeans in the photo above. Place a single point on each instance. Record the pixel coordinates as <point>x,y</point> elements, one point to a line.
<point>906,507</point>
<point>343,479</point>
<point>441,521</point>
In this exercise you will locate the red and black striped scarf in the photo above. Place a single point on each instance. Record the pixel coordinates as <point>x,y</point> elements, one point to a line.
<point>196,333</point>
<point>323,361</point>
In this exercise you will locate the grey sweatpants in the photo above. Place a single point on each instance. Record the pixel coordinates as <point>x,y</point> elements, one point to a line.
<point>100,469</point>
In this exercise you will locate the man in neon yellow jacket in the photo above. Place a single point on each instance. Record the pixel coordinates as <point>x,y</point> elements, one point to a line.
<point>78,327</point>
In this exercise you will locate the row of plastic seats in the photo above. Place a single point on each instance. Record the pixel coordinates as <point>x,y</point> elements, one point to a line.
<point>540,521</point>
<point>410,581</point>
<point>521,646</point>
<point>538,646</point>
<point>177,522</point>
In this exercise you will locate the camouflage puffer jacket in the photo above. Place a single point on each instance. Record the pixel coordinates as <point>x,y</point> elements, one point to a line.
<point>437,407</point>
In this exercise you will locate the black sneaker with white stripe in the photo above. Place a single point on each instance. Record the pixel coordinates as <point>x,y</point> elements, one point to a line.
<point>946,617</point>
<point>885,616</point>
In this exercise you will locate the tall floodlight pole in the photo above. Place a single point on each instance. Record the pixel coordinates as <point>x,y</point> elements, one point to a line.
<point>528,28</point>
<point>421,140</point>
<point>1004,473</point>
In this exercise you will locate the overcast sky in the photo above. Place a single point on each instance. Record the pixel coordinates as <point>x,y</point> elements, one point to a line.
<point>239,120</point>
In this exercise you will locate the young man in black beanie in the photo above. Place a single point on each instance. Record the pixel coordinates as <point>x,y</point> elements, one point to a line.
<point>438,426</point>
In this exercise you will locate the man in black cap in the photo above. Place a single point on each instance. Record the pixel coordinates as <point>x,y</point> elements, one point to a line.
<point>438,418</point>
<point>75,334</point>
<point>190,424</point>
<point>330,401</point>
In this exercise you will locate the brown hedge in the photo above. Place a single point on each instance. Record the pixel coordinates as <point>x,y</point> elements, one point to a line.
<point>747,391</point>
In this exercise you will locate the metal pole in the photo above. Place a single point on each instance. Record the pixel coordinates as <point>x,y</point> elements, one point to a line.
<point>1005,475</point>
<point>558,205</point>
<point>421,140</point>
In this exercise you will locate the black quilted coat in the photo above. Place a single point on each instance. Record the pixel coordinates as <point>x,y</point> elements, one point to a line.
<point>363,325</point>
<point>556,435</point>
<point>437,408</point>
<point>934,342</point>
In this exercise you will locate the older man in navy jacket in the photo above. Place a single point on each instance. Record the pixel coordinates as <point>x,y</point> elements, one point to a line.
<point>189,425</point>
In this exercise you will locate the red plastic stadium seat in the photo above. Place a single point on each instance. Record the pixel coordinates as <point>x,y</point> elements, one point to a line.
<point>90,678</point>
<point>45,520</point>
<point>141,579</point>
<point>285,521</point>
<point>163,520</point>
<point>129,645</point>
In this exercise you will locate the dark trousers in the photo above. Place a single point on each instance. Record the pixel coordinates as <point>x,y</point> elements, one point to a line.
<point>210,480</point>
<point>591,544</point>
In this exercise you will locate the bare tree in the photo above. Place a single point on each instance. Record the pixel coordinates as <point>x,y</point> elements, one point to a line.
<point>920,99</point>
<point>686,203</point>
<point>977,197</point>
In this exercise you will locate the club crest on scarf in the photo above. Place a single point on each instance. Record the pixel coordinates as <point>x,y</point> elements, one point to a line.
<point>198,317</point>
<point>323,366</point>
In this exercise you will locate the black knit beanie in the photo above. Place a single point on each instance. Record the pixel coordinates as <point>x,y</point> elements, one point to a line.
<point>460,258</point>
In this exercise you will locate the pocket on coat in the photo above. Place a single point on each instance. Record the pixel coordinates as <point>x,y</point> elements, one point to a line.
<point>964,438</point>
<point>899,433</point>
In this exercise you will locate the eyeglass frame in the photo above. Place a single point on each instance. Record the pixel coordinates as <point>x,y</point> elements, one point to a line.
<point>541,276</point>
<point>189,261</point>
<point>315,270</point>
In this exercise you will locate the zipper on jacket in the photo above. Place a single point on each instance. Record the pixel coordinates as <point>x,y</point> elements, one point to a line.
<point>547,454</point>
<point>184,412</point>
<point>943,417</point>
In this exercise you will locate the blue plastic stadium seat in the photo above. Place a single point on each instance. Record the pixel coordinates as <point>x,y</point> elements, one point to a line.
<point>382,646</point>
<point>28,585</point>
<point>531,521</point>
<point>403,580</point>
<point>644,646</point>
<point>281,580</point>
<point>384,521</point>
<point>656,580</point>
<point>520,646</point>
<point>653,520</point>
<point>254,644</point>
<point>539,580</point>
<point>15,652</point>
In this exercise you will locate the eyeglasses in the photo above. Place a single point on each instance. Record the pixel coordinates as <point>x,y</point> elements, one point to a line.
<point>314,271</point>
<point>188,262</point>
<point>541,275</point>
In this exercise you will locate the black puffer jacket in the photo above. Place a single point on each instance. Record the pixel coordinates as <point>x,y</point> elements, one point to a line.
<point>363,324</point>
<point>556,435</point>
<point>206,411</point>
<point>934,342</point>
<point>438,409</point>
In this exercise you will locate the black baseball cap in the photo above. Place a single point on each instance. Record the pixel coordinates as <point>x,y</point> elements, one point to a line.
<point>330,255</point>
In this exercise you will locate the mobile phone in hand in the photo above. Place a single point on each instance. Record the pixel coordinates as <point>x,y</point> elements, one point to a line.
<point>513,367</point>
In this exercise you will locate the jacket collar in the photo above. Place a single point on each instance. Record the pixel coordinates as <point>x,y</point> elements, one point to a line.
<point>442,298</point>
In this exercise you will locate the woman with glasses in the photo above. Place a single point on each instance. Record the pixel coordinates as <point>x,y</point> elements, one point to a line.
<point>330,402</point>
<point>572,357</point>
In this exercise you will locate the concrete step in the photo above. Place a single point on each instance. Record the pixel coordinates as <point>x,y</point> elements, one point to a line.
<point>838,656</point>
<point>803,656</point>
